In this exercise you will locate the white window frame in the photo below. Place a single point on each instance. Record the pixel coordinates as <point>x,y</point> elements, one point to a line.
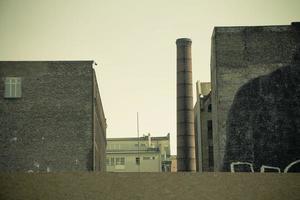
<point>13,87</point>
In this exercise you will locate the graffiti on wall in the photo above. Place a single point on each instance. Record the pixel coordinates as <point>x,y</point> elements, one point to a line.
<point>263,124</point>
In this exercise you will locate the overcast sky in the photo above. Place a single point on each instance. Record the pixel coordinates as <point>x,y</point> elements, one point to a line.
<point>133,42</point>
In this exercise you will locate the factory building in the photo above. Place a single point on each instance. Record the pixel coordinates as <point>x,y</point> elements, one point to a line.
<point>143,154</point>
<point>51,117</point>
<point>255,95</point>
<point>203,128</point>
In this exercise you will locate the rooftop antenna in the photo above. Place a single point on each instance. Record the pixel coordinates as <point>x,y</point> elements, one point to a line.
<point>138,135</point>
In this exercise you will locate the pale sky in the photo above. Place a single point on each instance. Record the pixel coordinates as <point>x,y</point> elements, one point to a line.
<point>133,42</point>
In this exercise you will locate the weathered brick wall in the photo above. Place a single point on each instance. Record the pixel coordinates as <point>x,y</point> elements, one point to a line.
<point>50,126</point>
<point>240,54</point>
<point>205,116</point>
<point>99,129</point>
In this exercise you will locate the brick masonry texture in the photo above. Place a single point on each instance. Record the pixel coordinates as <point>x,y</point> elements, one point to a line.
<point>239,55</point>
<point>50,128</point>
<point>263,125</point>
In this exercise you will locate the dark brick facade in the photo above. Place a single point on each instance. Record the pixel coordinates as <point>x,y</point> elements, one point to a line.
<point>52,126</point>
<point>263,124</point>
<point>239,56</point>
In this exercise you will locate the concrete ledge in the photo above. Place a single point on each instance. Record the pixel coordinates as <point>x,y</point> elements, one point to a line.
<point>149,186</point>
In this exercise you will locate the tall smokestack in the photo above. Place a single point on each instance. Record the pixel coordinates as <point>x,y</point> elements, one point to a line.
<point>185,115</point>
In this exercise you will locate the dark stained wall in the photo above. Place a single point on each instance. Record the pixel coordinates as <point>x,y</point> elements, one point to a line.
<point>50,128</point>
<point>263,124</point>
<point>99,128</point>
<point>203,141</point>
<point>239,55</point>
<point>207,140</point>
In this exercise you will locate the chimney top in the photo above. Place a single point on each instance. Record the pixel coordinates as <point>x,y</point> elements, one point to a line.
<point>183,41</point>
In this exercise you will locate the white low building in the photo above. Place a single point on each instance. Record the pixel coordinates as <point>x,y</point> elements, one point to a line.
<point>144,154</point>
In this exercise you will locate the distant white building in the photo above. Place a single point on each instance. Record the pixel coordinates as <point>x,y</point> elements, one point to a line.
<point>144,154</point>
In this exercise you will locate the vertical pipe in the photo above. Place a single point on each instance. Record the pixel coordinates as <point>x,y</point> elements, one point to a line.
<point>198,133</point>
<point>149,140</point>
<point>185,114</point>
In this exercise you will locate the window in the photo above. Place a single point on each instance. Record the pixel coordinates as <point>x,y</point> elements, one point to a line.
<point>209,108</point>
<point>210,156</point>
<point>115,146</point>
<point>209,130</point>
<point>137,160</point>
<point>146,158</point>
<point>120,161</point>
<point>107,161</point>
<point>112,161</point>
<point>12,87</point>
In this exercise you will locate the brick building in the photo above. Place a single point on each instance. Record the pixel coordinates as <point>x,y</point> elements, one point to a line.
<point>255,95</point>
<point>51,117</point>
<point>203,128</point>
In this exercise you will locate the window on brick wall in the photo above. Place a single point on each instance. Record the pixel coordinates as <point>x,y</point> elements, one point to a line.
<point>210,156</point>
<point>209,129</point>
<point>12,87</point>
<point>209,108</point>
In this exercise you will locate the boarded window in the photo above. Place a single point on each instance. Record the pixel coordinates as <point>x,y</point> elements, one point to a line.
<point>12,87</point>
